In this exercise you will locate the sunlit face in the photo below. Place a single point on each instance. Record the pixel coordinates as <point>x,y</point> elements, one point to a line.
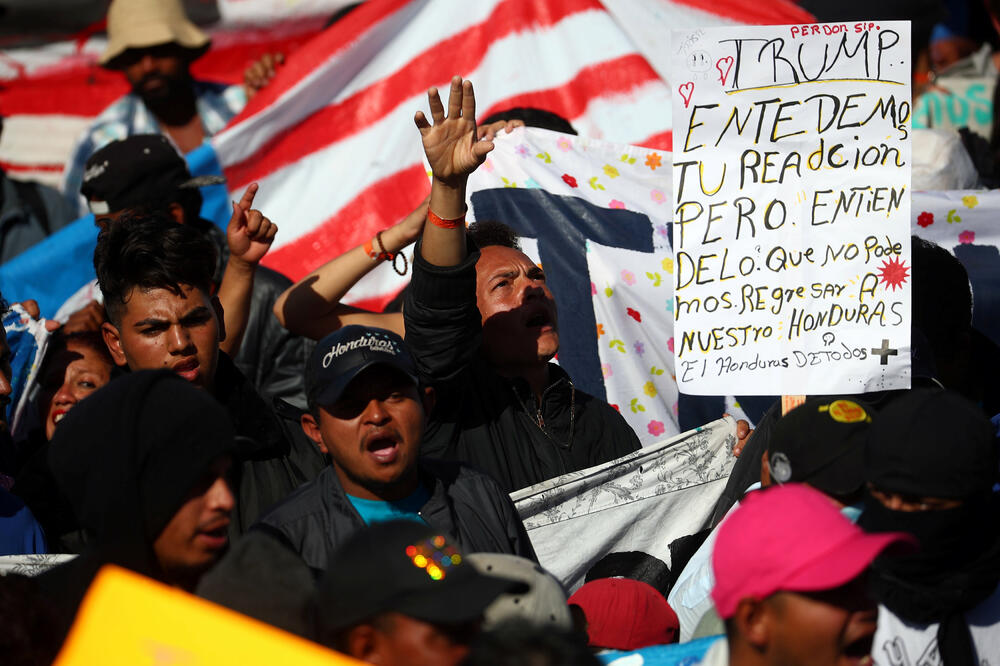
<point>196,536</point>
<point>163,330</point>
<point>73,374</point>
<point>373,433</point>
<point>829,628</point>
<point>520,325</point>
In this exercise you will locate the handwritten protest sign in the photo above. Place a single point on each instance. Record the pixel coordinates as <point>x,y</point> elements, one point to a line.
<point>791,216</point>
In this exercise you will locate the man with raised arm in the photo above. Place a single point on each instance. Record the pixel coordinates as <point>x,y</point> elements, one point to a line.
<point>482,325</point>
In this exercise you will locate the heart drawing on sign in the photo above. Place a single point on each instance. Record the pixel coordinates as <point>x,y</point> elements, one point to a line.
<point>686,90</point>
<point>724,65</point>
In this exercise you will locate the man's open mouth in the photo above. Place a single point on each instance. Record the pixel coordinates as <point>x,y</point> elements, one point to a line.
<point>187,369</point>
<point>538,319</point>
<point>384,448</point>
<point>216,535</point>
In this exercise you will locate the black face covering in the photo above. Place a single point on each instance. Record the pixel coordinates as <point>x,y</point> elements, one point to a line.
<point>956,568</point>
<point>935,443</point>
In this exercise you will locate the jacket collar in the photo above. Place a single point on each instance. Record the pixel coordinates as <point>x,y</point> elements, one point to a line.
<point>434,510</point>
<point>559,384</point>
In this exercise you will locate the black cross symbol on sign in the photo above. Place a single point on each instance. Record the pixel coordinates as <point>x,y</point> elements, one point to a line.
<point>884,352</point>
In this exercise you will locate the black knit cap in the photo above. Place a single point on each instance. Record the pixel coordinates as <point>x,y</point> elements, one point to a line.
<point>128,455</point>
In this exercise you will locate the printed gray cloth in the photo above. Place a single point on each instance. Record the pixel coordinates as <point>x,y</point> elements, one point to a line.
<point>627,511</point>
<point>31,565</point>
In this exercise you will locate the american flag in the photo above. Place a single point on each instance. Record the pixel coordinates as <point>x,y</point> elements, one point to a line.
<point>331,140</point>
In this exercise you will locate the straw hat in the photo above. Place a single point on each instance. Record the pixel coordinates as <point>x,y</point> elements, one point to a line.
<point>143,23</point>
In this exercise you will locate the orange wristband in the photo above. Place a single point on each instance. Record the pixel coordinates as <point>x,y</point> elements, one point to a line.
<point>370,251</point>
<point>443,223</point>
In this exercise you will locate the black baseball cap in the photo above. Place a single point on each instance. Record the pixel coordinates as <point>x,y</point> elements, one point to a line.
<point>822,443</point>
<point>405,567</point>
<point>344,354</point>
<point>137,170</point>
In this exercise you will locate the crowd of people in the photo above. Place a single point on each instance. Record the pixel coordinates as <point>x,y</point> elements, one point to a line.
<point>345,475</point>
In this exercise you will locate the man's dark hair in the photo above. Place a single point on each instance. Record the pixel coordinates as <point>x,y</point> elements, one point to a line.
<point>942,297</point>
<point>490,232</point>
<point>532,117</point>
<point>150,251</point>
<point>518,642</point>
<point>190,200</point>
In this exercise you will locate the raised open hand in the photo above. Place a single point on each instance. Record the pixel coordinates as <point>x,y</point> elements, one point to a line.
<point>450,144</point>
<point>249,234</point>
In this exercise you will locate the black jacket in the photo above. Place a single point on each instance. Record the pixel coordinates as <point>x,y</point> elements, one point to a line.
<point>464,504</point>
<point>488,420</point>
<point>270,356</point>
<point>274,455</point>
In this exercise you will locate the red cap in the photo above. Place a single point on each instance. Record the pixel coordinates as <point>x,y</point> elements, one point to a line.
<point>625,614</point>
<point>789,538</point>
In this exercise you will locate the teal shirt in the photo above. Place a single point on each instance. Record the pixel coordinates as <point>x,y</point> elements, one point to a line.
<point>377,511</point>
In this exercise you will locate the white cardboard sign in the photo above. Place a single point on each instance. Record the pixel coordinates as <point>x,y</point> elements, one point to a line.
<point>791,208</point>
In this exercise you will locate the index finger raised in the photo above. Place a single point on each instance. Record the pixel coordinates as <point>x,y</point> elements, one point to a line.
<point>246,202</point>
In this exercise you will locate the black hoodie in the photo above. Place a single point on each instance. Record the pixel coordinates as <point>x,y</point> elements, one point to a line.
<point>127,457</point>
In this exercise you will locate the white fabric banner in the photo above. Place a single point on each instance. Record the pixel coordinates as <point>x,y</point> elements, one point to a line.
<point>635,506</point>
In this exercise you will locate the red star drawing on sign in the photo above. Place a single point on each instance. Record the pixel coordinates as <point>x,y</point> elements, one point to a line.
<point>894,273</point>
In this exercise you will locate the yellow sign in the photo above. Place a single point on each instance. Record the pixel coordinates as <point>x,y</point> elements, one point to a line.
<point>129,619</point>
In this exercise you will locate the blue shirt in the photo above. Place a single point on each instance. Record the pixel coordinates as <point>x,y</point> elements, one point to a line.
<point>20,533</point>
<point>377,511</point>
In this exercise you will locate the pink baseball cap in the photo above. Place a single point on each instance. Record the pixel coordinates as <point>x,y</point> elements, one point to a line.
<point>625,614</point>
<point>790,538</point>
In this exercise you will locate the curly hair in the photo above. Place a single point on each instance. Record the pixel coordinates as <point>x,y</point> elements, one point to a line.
<point>490,232</point>
<point>150,251</point>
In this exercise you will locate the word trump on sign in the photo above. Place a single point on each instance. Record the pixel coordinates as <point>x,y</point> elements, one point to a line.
<point>791,209</point>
